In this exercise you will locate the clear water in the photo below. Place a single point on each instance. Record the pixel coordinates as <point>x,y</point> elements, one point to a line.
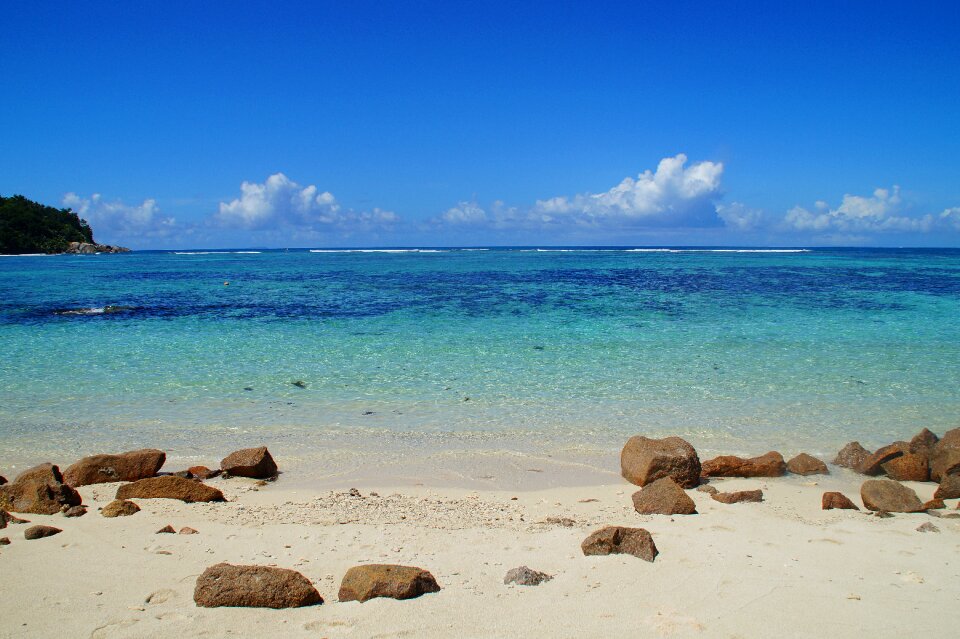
<point>418,354</point>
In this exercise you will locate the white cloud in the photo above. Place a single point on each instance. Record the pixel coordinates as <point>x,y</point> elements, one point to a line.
<point>858,214</point>
<point>951,217</point>
<point>118,220</point>
<point>280,201</point>
<point>465,213</point>
<point>740,217</point>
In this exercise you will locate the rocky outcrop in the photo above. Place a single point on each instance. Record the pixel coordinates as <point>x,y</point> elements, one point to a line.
<point>738,496</point>
<point>39,490</point>
<point>851,456</point>
<point>254,587</point>
<point>907,467</point>
<point>644,460</point>
<point>832,500</point>
<point>120,508</point>
<point>169,487</point>
<point>768,465</point>
<point>524,576</point>
<point>804,464</point>
<point>949,487</point>
<point>945,458</point>
<point>663,497</point>
<point>39,532</point>
<point>362,583</point>
<point>889,496</point>
<point>101,469</point>
<point>87,248</point>
<point>873,465</point>
<point>614,540</point>
<point>250,462</point>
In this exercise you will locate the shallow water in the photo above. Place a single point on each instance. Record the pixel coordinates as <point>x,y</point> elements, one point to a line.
<point>452,354</point>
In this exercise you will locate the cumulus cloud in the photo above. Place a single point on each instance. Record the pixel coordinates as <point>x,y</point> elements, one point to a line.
<point>281,202</point>
<point>883,211</point>
<point>116,219</point>
<point>741,217</point>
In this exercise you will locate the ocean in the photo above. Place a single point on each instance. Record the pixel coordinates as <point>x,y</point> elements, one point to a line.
<point>473,365</point>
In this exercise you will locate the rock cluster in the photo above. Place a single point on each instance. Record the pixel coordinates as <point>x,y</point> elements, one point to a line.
<point>254,587</point>
<point>924,458</point>
<point>362,583</point>
<point>86,248</point>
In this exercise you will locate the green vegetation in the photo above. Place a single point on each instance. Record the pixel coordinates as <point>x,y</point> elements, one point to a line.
<point>29,227</point>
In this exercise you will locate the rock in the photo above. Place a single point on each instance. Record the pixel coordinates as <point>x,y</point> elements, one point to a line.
<point>101,469</point>
<point>39,532</point>
<point>927,527</point>
<point>254,587</point>
<point>945,458</point>
<point>86,248</point>
<point>3,480</point>
<point>889,496</point>
<point>250,462</point>
<point>644,460</point>
<point>168,529</point>
<point>202,472</point>
<point>882,514</point>
<point>933,504</point>
<point>75,511</point>
<point>362,583</point>
<point>739,496</point>
<point>7,518</point>
<point>524,576</point>
<point>768,465</point>
<point>4,541</point>
<point>949,487</point>
<point>614,540</point>
<point>804,464</point>
<point>873,465</point>
<point>169,487</point>
<point>120,508</point>
<point>923,443</point>
<point>38,490</point>
<point>852,455</point>
<point>707,488</point>
<point>663,497</point>
<point>907,467</point>
<point>832,500</point>
<point>187,530</point>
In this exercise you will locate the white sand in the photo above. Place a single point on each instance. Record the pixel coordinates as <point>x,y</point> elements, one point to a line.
<point>782,567</point>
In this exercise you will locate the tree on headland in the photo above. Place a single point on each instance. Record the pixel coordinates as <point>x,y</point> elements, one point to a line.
<point>30,227</point>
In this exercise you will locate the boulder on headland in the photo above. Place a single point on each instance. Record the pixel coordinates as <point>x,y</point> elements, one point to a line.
<point>524,576</point>
<point>120,508</point>
<point>38,490</point>
<point>663,497</point>
<point>89,248</point>
<point>39,532</point>
<point>644,460</point>
<point>945,458</point>
<point>908,467</point>
<point>202,472</point>
<point>949,487</point>
<point>254,587</point>
<point>101,469</point>
<point>615,540</point>
<point>804,464</point>
<point>923,443</point>
<point>169,487</point>
<point>851,455</point>
<point>250,462</point>
<point>832,500</point>
<point>7,518</point>
<point>769,465</point>
<point>738,496</point>
<point>873,465</point>
<point>362,583</point>
<point>889,496</point>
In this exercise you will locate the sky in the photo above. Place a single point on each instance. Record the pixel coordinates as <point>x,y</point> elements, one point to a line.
<point>316,124</point>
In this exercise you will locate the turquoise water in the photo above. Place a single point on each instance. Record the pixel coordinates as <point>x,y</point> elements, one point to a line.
<point>410,353</point>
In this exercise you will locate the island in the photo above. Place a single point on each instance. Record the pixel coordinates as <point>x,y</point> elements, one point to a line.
<point>30,227</point>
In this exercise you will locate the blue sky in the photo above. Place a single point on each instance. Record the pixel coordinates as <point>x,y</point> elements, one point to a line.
<point>173,125</point>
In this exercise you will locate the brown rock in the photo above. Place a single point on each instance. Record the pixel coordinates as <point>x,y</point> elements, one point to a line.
<point>614,540</point>
<point>927,527</point>
<point>39,532</point>
<point>663,497</point>
<point>923,443</point>
<point>804,464</point>
<point>38,490</point>
<point>945,458</point>
<point>254,587</point>
<point>4,541</point>
<point>202,472</point>
<point>187,530</point>
<point>889,496</point>
<point>707,488</point>
<point>362,583</point>
<point>101,469</point>
<point>75,511</point>
<point>908,467</point>
<point>169,487</point>
<point>644,460</point>
<point>769,465</point>
<point>3,480</point>
<point>168,529</point>
<point>7,518</point>
<point>250,462</point>
<point>831,500</point>
<point>949,487</point>
<point>933,504</point>
<point>852,455</point>
<point>120,508</point>
<point>738,496</point>
<point>873,465</point>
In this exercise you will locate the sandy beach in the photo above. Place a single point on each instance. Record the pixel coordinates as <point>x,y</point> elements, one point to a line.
<point>783,566</point>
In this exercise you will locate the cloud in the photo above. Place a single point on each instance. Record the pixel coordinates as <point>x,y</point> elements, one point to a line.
<point>114,219</point>
<point>881,212</point>
<point>740,217</point>
<point>281,202</point>
<point>951,218</point>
